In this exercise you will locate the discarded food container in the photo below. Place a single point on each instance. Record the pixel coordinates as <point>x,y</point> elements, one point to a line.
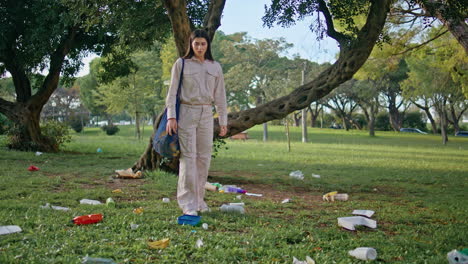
<point>166,200</point>
<point>87,219</point>
<point>9,229</point>
<point>297,175</point>
<point>192,220</point>
<point>33,168</point>
<point>352,221</point>
<point>364,253</point>
<point>160,244</point>
<point>89,260</point>
<point>110,202</point>
<point>308,260</point>
<point>88,201</point>
<point>458,257</point>
<point>232,208</point>
<point>59,208</point>
<point>211,187</point>
<point>366,213</point>
<point>205,226</point>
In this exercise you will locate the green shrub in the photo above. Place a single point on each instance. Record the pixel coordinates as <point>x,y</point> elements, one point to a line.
<point>110,130</point>
<point>5,124</point>
<point>76,122</point>
<point>382,122</point>
<point>56,131</point>
<point>415,120</point>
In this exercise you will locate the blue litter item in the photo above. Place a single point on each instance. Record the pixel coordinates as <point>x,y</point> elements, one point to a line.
<point>192,220</point>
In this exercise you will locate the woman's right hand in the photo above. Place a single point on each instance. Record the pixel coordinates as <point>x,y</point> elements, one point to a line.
<point>171,126</point>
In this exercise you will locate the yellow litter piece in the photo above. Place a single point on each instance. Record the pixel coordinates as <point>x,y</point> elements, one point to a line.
<point>329,196</point>
<point>160,244</point>
<point>117,191</point>
<point>138,210</point>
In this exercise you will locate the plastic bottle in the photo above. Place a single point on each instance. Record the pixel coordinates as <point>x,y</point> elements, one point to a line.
<point>110,202</point>
<point>232,208</point>
<point>233,189</point>
<point>364,253</point>
<point>341,197</point>
<point>87,219</point>
<point>89,260</point>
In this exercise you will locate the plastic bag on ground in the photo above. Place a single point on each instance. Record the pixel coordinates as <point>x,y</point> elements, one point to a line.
<point>9,229</point>
<point>88,201</point>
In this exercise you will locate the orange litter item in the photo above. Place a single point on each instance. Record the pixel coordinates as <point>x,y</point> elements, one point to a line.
<point>87,219</point>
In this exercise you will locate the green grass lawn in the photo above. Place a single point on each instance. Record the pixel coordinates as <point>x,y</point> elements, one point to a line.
<point>416,186</point>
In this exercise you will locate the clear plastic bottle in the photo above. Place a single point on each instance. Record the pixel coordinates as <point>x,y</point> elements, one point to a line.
<point>232,209</point>
<point>110,202</point>
<point>89,260</point>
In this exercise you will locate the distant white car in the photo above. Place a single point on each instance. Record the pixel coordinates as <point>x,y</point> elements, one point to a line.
<point>412,130</point>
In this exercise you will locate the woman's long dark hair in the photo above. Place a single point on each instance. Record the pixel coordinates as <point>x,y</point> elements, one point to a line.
<point>199,33</point>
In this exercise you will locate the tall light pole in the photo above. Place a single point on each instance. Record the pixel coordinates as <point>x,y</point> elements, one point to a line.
<point>304,111</point>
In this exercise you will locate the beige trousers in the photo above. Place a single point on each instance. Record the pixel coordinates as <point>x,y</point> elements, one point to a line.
<point>195,129</point>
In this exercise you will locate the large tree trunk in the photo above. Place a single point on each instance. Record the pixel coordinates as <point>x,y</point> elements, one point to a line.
<point>352,56</point>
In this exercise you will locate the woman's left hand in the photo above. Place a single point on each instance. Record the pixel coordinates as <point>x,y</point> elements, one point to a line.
<point>222,131</point>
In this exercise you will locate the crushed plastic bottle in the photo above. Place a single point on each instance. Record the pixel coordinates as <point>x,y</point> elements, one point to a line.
<point>297,175</point>
<point>87,219</point>
<point>364,253</point>
<point>232,208</point>
<point>59,208</point>
<point>89,260</point>
<point>88,201</point>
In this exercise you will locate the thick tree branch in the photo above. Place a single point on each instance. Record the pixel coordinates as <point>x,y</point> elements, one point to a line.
<point>56,63</point>
<point>177,12</point>
<point>212,19</point>
<point>341,38</point>
<point>453,20</point>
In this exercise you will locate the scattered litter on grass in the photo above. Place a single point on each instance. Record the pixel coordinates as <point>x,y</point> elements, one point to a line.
<point>160,244</point>
<point>110,202</point>
<point>38,153</point>
<point>59,208</point>
<point>205,226</point>
<point>117,191</point>
<point>87,219</point>
<point>88,201</point>
<point>192,220</point>
<point>332,196</point>
<point>9,229</point>
<point>254,194</point>
<point>308,260</point>
<point>352,221</point>
<point>232,189</point>
<point>297,175</point>
<point>134,226</point>
<point>286,201</point>
<point>232,208</point>
<point>89,260</point>
<point>458,257</point>
<point>128,174</point>
<point>316,176</point>
<point>363,253</point>
<point>199,243</point>
<point>166,200</point>
<point>99,150</point>
<point>138,210</point>
<point>33,168</point>
<point>366,213</point>
<point>211,187</point>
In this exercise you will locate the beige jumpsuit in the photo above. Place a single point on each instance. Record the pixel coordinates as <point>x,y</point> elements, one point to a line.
<point>203,85</point>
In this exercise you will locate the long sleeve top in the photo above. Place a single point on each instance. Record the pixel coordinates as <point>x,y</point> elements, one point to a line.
<point>203,83</point>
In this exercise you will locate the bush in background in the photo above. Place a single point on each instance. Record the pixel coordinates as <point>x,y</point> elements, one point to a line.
<point>110,129</point>
<point>5,124</point>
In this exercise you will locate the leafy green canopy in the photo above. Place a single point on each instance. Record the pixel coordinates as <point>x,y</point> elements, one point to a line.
<point>32,30</point>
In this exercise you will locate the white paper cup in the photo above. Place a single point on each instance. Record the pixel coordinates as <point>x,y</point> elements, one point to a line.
<point>364,253</point>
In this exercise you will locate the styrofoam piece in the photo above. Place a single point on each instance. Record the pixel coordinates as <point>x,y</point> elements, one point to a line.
<point>367,213</point>
<point>364,253</point>
<point>9,229</point>
<point>352,221</point>
<point>88,201</point>
<point>308,260</point>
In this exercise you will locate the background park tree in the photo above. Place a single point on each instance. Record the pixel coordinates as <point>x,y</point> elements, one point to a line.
<point>54,36</point>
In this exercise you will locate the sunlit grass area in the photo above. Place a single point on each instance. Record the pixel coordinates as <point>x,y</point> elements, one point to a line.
<point>416,186</point>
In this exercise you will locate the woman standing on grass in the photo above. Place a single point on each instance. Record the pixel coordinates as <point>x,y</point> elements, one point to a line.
<point>202,85</point>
